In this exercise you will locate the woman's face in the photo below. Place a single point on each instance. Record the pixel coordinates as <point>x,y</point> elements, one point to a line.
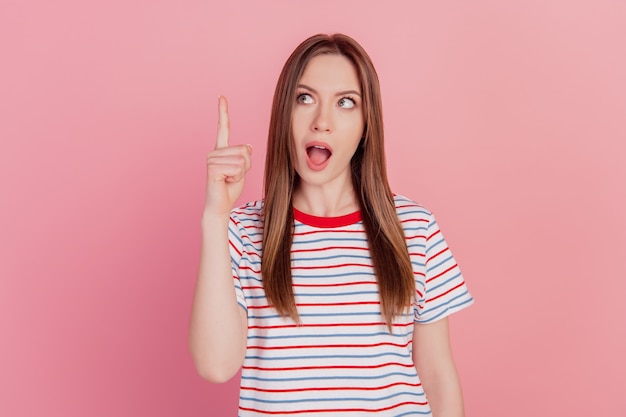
<point>327,120</point>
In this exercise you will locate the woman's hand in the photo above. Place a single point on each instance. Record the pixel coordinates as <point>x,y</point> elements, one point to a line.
<point>219,326</point>
<point>226,167</point>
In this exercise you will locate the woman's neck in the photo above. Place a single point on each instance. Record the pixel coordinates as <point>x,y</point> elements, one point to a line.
<point>325,201</point>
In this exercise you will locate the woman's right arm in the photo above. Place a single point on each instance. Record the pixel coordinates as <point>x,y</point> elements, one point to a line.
<point>218,327</point>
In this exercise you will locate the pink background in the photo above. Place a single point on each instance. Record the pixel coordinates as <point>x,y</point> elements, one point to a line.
<point>504,118</point>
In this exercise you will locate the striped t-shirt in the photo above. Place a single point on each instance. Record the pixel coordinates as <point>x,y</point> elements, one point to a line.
<point>341,360</point>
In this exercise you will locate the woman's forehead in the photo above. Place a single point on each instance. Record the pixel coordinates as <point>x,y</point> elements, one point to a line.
<point>330,73</point>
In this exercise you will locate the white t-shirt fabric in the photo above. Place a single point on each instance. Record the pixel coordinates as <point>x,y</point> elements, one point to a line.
<point>341,359</point>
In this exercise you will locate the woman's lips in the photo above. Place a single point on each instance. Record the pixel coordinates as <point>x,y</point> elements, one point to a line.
<point>318,155</point>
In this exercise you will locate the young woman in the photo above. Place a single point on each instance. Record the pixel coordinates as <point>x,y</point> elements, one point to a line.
<point>332,293</point>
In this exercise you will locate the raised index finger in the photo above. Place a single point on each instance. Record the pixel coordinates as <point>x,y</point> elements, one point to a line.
<point>223,124</point>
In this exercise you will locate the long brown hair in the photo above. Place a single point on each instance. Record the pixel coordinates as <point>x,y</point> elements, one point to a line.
<point>384,232</point>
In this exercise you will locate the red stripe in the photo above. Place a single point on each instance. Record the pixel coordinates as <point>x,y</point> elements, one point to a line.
<point>414,220</point>
<point>409,238</point>
<point>328,231</point>
<point>255,287</point>
<point>356,303</point>
<point>330,266</point>
<point>341,284</point>
<point>330,248</point>
<point>447,292</point>
<point>245,210</point>
<point>412,205</point>
<point>254,226</point>
<point>332,388</point>
<point>441,273</point>
<point>434,234</point>
<point>249,268</point>
<point>233,246</point>
<point>303,368</point>
<point>352,303</point>
<point>331,346</point>
<point>437,254</point>
<point>290,326</point>
<point>336,410</point>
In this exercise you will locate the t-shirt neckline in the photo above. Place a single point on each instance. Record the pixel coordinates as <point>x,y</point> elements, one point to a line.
<point>317,221</point>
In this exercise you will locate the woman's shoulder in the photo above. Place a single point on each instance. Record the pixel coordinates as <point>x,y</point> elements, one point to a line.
<point>408,209</point>
<point>251,211</point>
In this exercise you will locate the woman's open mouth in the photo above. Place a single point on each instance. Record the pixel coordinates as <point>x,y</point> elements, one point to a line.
<point>318,155</point>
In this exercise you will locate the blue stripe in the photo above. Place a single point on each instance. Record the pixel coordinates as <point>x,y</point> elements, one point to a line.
<point>431,289</point>
<point>304,260</point>
<point>307,277</point>
<point>250,261</point>
<point>328,239</point>
<point>407,211</point>
<point>328,276</point>
<point>415,229</point>
<point>321,336</point>
<point>326,399</point>
<point>450,308</point>
<point>248,245</point>
<point>339,294</point>
<point>448,302</point>
<point>416,245</point>
<point>234,235</point>
<point>375,313</point>
<point>418,264</point>
<point>433,246</point>
<point>430,268</point>
<point>329,377</point>
<point>325,258</point>
<point>365,313</point>
<point>248,277</point>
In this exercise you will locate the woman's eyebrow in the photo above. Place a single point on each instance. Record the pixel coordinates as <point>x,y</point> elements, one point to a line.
<point>341,93</point>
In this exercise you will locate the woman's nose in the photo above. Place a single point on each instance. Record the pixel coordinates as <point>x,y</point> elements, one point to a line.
<point>323,119</point>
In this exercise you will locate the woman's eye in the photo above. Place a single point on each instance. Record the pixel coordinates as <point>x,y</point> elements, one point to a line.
<point>305,99</point>
<point>346,103</point>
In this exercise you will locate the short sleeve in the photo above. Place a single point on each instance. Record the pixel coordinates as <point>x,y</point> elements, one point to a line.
<point>235,243</point>
<point>443,288</point>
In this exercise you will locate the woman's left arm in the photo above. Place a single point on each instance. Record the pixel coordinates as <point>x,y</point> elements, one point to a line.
<point>433,360</point>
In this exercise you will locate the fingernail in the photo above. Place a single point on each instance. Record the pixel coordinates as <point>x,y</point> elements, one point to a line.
<point>250,147</point>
